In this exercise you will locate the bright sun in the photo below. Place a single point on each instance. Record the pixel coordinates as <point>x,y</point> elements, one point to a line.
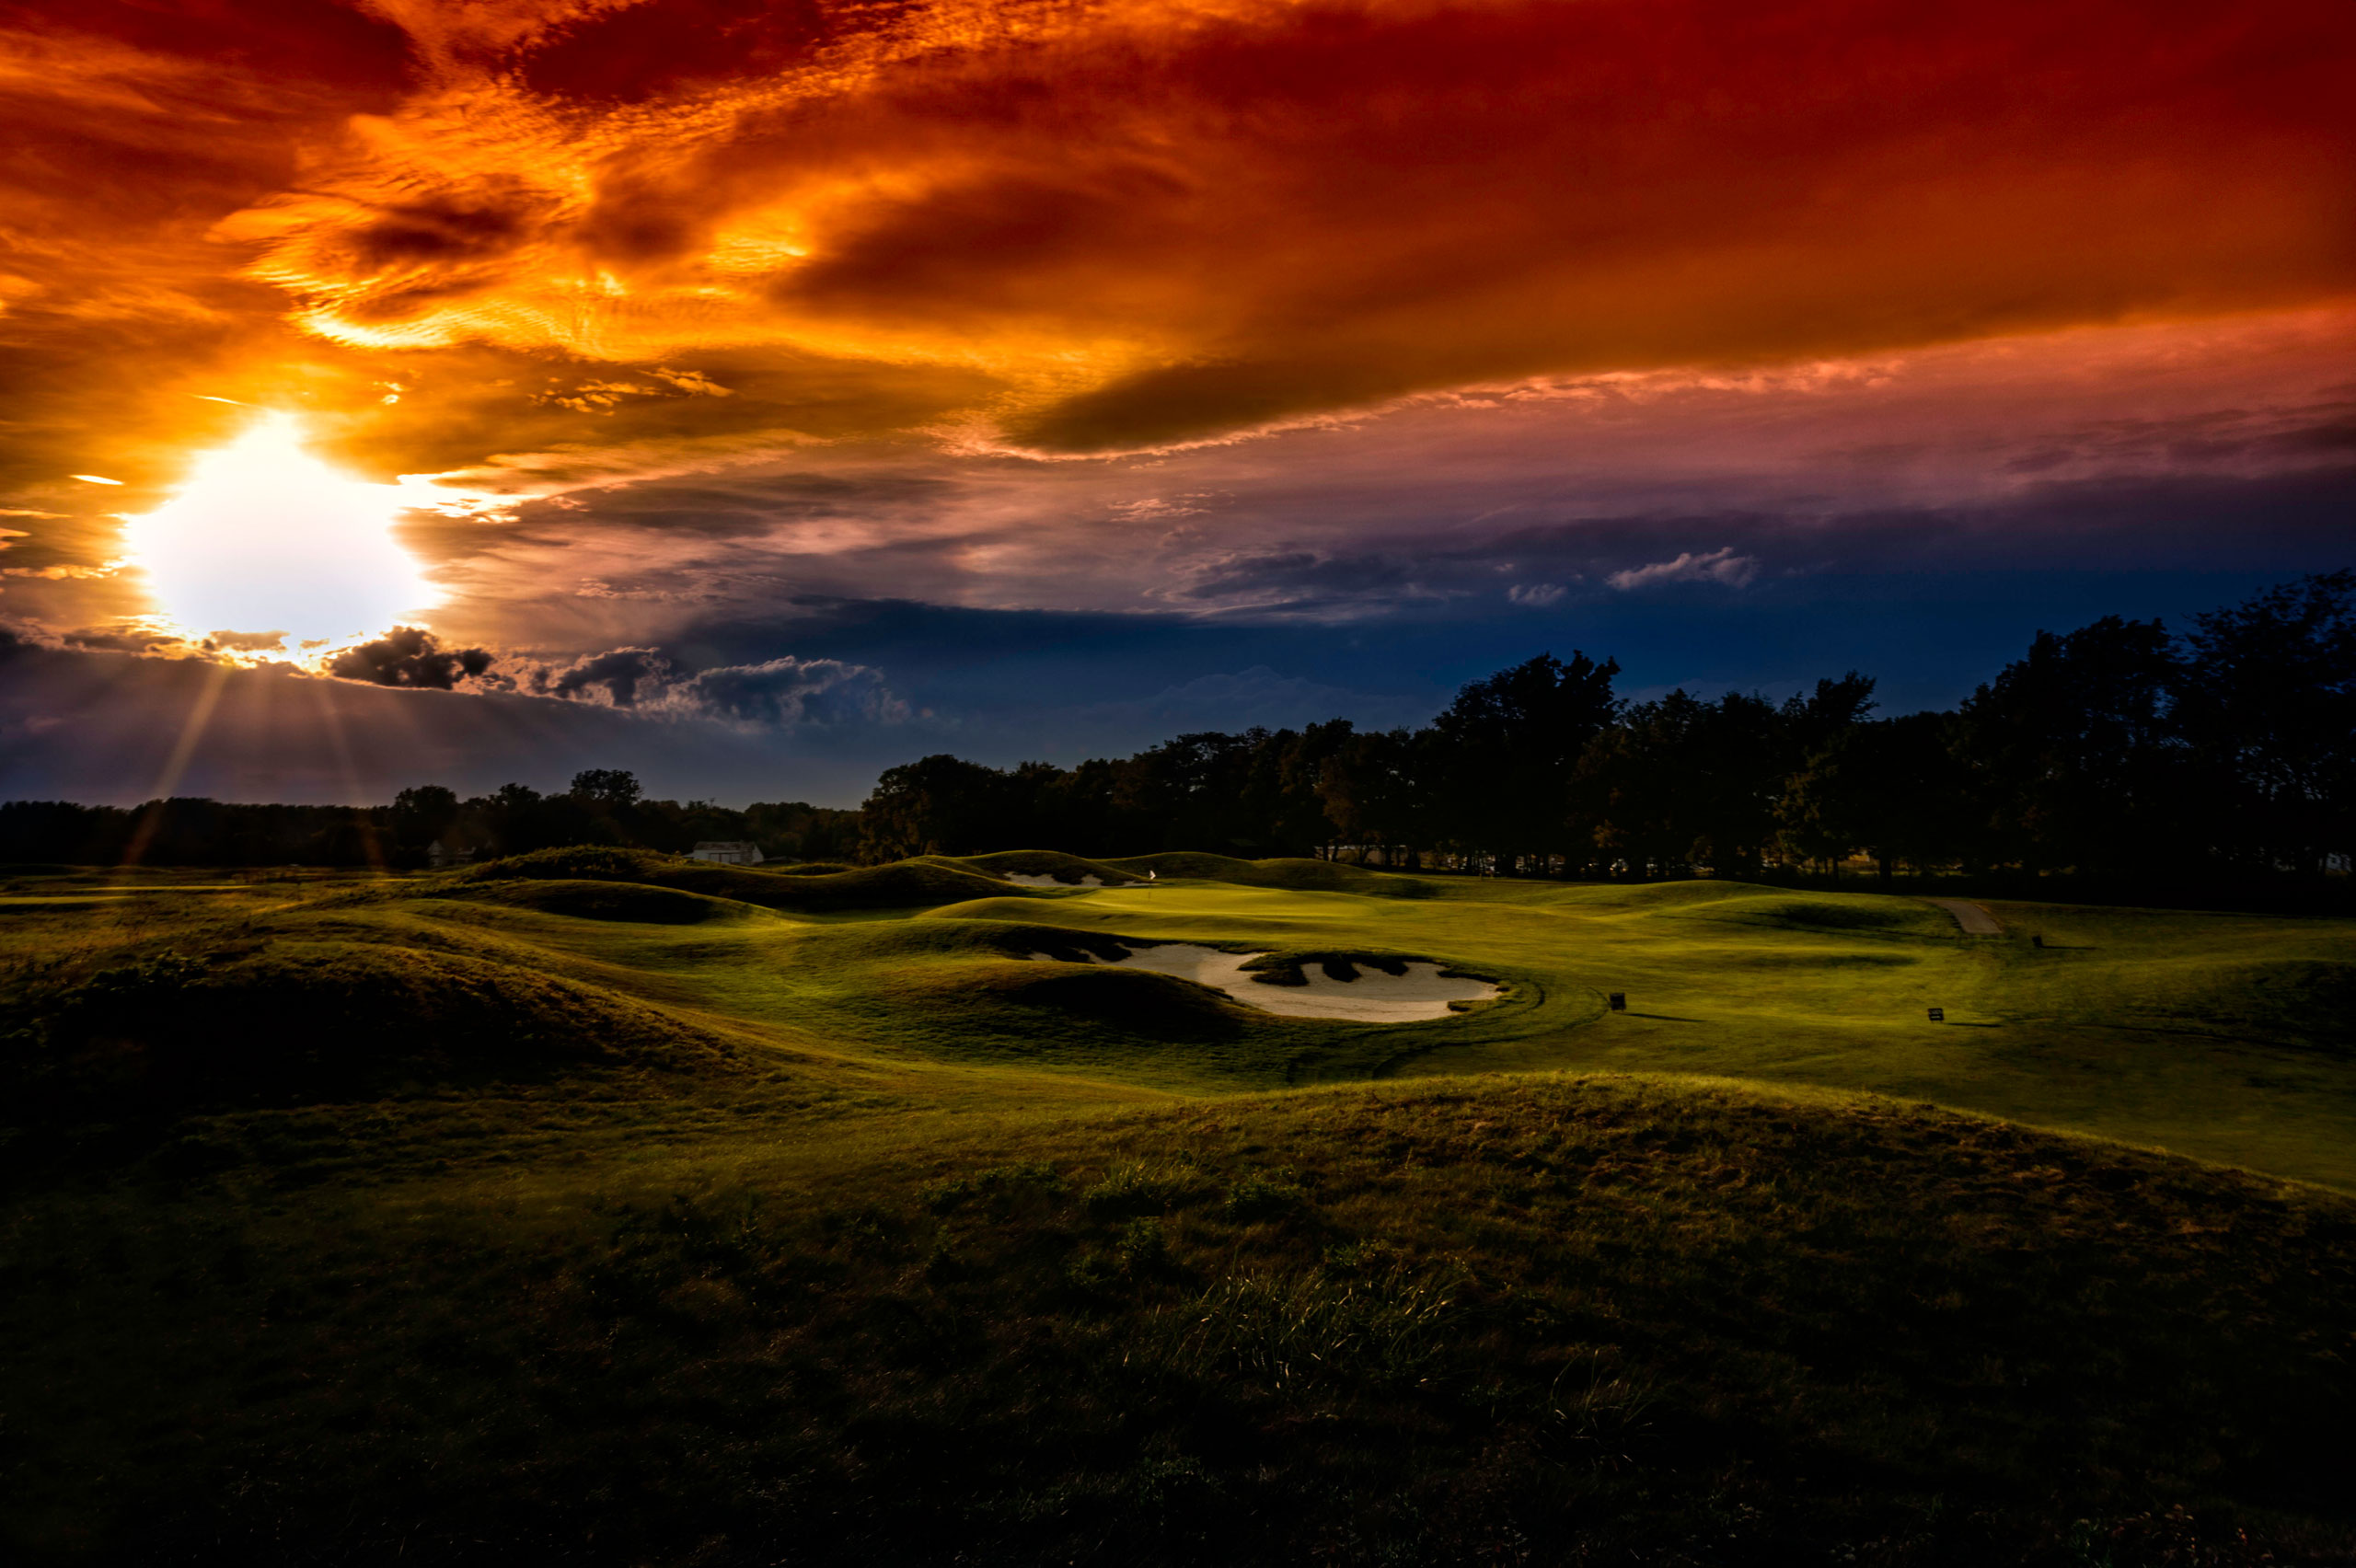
<point>264,537</point>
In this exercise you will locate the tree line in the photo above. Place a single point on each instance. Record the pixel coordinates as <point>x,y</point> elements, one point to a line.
<point>603,806</point>
<point>2117,753</point>
<point>2121,751</point>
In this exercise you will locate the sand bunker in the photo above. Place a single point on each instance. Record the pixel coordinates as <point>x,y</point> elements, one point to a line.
<point>1373,997</point>
<point>1020,880</point>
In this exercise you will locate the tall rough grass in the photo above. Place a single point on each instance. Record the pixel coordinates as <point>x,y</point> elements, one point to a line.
<point>1292,1332</point>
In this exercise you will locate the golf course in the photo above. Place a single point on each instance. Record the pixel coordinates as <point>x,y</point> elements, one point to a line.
<point>601,1206</point>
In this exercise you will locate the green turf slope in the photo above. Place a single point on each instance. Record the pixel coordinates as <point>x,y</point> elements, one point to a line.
<point>2217,1034</point>
<point>603,1207</point>
<point>1552,1317</point>
<point>905,884</point>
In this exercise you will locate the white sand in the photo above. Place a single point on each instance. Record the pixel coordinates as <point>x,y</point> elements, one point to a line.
<point>1373,997</point>
<point>1020,880</point>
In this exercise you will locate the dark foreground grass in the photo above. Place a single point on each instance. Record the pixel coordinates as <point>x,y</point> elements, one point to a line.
<point>1543,1319</point>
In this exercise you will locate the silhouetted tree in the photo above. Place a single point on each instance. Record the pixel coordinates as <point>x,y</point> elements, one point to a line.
<point>422,816</point>
<point>1891,788</point>
<point>1366,788</point>
<point>936,805</point>
<point>1505,749</point>
<point>610,787</point>
<point>2075,751</point>
<point>2268,711</point>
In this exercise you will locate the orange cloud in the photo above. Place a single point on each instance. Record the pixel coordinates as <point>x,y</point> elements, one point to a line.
<point>1149,221</point>
<point>565,228</point>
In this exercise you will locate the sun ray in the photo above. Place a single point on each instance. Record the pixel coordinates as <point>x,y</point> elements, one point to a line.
<point>199,717</point>
<point>347,774</point>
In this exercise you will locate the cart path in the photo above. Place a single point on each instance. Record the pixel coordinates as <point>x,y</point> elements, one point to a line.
<point>1975,920</point>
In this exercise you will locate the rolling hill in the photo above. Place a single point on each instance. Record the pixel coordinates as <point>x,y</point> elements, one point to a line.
<point>602,1207</point>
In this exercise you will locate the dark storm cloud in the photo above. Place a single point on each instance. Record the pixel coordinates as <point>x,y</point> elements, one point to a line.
<point>2304,520</point>
<point>112,728</point>
<point>789,691</point>
<point>410,656</point>
<point>778,692</point>
<point>619,673</point>
<point>2225,438</point>
<point>1511,506</point>
<point>1299,582</point>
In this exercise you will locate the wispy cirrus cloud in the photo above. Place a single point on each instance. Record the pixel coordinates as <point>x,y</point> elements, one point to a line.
<point>1720,566</point>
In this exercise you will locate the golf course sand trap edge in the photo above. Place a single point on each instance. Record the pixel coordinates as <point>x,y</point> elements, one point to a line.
<point>1420,994</point>
<point>1019,879</point>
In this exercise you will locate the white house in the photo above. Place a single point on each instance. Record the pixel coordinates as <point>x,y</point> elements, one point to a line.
<point>727,853</point>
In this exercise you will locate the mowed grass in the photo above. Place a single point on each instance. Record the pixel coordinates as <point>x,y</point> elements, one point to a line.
<point>607,1210</point>
<point>2230,1037</point>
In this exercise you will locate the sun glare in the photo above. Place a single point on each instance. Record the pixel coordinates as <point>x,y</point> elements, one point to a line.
<point>264,537</point>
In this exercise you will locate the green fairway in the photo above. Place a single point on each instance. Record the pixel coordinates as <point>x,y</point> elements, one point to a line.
<point>870,1210</point>
<point>2222,1036</point>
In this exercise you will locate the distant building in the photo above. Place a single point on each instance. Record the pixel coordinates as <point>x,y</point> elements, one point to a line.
<point>439,855</point>
<point>726,853</point>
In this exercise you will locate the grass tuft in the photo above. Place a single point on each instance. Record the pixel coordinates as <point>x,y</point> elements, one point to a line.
<point>1133,1189</point>
<point>1307,1332</point>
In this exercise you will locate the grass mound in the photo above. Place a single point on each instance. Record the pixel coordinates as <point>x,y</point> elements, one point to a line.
<point>1664,894</point>
<point>582,861</point>
<point>1290,874</point>
<point>1013,939</point>
<point>632,902</point>
<point>1000,992</point>
<point>1547,1320</point>
<point>904,884</point>
<point>1136,1002</point>
<point>2303,1003</point>
<point>1334,876</point>
<point>296,1023</point>
<point>1849,914</point>
<point>1183,864</point>
<point>1068,869</point>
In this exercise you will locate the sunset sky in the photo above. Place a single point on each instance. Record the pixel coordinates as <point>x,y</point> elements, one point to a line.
<point>761,394</point>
